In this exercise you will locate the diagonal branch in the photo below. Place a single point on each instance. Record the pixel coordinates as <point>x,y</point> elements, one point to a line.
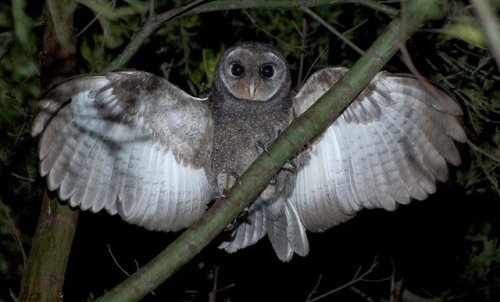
<point>149,27</point>
<point>196,7</point>
<point>292,140</point>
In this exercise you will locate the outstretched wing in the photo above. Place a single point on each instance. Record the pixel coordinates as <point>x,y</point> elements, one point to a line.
<point>389,146</point>
<point>128,142</point>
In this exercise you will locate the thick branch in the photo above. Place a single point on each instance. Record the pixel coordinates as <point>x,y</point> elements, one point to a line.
<point>43,278</point>
<point>257,177</point>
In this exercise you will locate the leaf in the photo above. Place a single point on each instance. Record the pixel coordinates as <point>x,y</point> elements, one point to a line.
<point>466,29</point>
<point>22,23</point>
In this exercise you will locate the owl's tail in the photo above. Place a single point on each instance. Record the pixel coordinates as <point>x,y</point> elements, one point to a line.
<point>280,221</point>
<point>285,231</point>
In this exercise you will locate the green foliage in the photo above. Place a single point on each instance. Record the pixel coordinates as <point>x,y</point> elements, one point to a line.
<point>186,53</point>
<point>484,255</point>
<point>467,29</point>
<point>481,273</point>
<point>470,73</point>
<point>108,27</point>
<point>93,51</point>
<point>19,86</point>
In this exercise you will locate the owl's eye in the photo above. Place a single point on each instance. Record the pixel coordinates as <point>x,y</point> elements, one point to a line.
<point>237,70</point>
<point>267,71</point>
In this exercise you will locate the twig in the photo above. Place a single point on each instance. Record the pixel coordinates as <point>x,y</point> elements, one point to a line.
<point>213,293</point>
<point>333,30</point>
<point>254,23</point>
<point>121,267</point>
<point>97,16</point>
<point>315,288</point>
<point>116,261</point>
<point>150,26</point>
<point>358,277</point>
<point>28,179</point>
<point>482,151</point>
<point>355,27</point>
<point>487,172</point>
<point>14,231</point>
<point>360,293</point>
<point>303,39</point>
<point>13,296</point>
<point>196,7</point>
<point>321,52</point>
<point>152,4</point>
<point>78,34</point>
<point>409,63</point>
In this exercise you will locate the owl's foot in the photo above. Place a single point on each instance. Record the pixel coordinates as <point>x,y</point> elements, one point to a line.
<point>259,145</point>
<point>290,166</point>
<point>236,176</point>
<point>242,218</point>
<point>220,195</point>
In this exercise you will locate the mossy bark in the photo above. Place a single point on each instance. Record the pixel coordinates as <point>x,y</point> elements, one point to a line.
<point>43,278</point>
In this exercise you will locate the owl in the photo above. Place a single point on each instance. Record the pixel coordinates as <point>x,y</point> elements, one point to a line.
<point>134,144</point>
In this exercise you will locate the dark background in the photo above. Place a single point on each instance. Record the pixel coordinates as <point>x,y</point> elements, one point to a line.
<point>444,247</point>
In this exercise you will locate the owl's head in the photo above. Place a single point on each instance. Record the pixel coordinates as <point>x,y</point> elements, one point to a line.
<point>253,72</point>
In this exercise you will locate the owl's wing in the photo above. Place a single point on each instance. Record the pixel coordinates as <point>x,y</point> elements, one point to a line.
<point>128,142</point>
<point>389,146</point>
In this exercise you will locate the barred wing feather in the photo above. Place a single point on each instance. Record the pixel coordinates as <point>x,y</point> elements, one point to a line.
<point>130,143</point>
<point>388,147</point>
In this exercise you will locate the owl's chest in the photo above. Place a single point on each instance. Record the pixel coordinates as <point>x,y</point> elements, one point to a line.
<point>240,136</point>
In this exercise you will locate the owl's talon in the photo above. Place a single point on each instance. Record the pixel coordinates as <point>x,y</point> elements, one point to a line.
<point>260,147</point>
<point>290,166</point>
<point>236,177</point>
<point>230,227</point>
<point>242,218</point>
<point>220,195</point>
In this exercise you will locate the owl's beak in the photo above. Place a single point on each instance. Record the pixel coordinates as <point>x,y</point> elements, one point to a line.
<point>252,88</point>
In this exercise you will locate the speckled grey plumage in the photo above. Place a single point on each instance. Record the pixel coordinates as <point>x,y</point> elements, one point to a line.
<point>138,146</point>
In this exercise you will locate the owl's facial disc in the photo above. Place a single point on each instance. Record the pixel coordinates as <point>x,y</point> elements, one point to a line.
<point>253,75</point>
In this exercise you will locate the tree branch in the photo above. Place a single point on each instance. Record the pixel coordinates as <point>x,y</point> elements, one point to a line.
<point>43,277</point>
<point>195,7</point>
<point>485,15</point>
<point>257,177</point>
<point>358,277</point>
<point>333,30</point>
<point>149,27</point>
<point>224,5</point>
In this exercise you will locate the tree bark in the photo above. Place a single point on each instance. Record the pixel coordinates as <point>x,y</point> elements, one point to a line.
<point>43,278</point>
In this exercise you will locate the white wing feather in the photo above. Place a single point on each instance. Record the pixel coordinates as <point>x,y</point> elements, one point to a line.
<point>130,143</point>
<point>388,147</point>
